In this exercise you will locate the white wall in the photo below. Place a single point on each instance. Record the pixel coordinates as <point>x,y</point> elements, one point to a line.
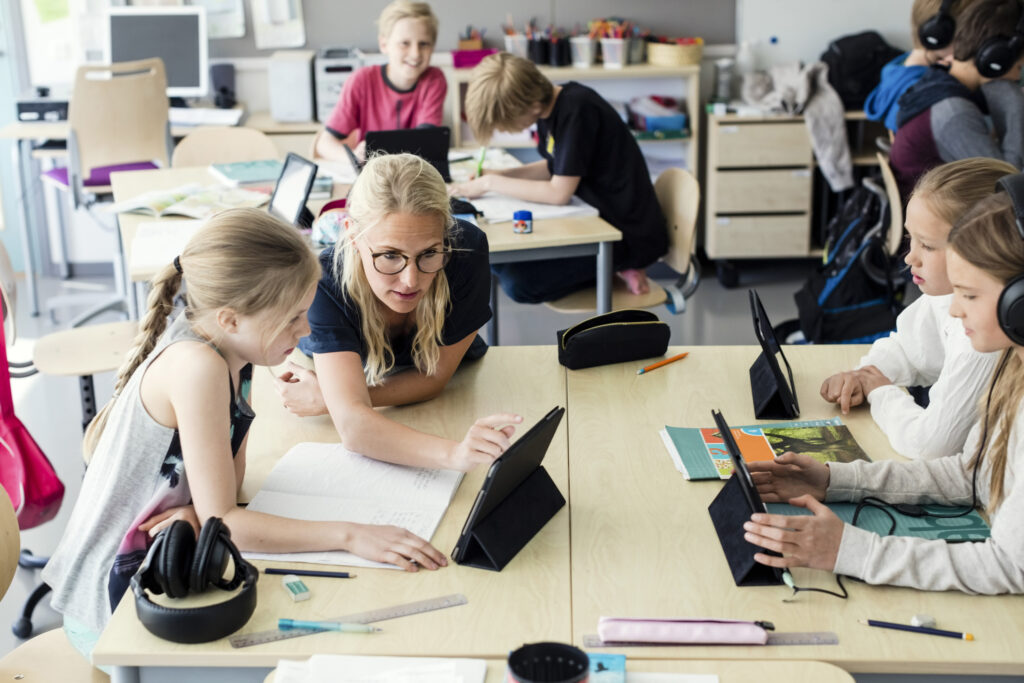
<point>806,27</point>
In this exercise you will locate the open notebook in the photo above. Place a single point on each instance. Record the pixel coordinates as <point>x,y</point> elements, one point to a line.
<point>325,482</point>
<point>498,208</point>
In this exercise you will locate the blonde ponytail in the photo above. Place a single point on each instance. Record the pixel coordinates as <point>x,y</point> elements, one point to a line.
<point>243,259</point>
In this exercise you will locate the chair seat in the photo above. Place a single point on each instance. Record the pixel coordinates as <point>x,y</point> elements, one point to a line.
<point>100,175</point>
<point>47,658</point>
<point>85,350</point>
<point>585,300</point>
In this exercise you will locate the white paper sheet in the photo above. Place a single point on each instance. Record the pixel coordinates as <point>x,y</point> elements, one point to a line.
<point>361,669</point>
<point>340,171</point>
<point>157,243</point>
<point>499,208</point>
<point>326,482</point>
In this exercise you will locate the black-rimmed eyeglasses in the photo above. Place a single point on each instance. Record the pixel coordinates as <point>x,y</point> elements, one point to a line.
<point>393,262</point>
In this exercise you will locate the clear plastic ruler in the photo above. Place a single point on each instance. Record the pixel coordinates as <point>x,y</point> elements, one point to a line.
<point>783,638</point>
<point>383,614</point>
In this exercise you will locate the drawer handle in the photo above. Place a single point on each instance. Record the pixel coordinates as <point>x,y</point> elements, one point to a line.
<point>802,173</point>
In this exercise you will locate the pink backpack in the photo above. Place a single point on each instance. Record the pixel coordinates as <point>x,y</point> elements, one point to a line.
<point>25,473</point>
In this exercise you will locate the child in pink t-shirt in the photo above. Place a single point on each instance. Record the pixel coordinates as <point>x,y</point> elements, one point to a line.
<point>404,93</point>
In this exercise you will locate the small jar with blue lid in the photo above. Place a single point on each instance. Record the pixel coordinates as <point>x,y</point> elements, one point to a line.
<point>522,222</point>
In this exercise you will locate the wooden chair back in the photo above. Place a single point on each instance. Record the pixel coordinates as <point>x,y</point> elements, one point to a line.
<point>678,195</point>
<point>223,145</point>
<point>892,191</point>
<point>118,114</point>
<point>10,542</point>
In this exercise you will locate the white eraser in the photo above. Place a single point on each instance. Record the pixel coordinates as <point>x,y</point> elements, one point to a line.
<point>295,587</point>
<point>925,620</point>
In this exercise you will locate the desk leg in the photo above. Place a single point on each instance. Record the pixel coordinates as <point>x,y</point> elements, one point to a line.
<point>124,674</point>
<point>22,166</point>
<point>492,324</point>
<point>604,277</point>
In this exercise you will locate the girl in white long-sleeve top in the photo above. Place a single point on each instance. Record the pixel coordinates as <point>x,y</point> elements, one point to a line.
<point>986,252</point>
<point>928,348</point>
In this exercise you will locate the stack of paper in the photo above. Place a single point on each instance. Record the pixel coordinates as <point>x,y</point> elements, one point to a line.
<point>325,482</point>
<point>498,208</point>
<point>358,669</point>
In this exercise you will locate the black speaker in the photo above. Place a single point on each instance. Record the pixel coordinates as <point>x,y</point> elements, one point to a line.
<point>222,82</point>
<point>178,565</point>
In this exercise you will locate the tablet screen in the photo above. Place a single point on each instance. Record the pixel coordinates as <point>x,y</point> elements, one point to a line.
<point>773,352</point>
<point>739,467</point>
<point>292,188</point>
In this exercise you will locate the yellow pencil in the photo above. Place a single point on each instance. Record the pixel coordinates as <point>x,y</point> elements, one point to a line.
<point>662,362</point>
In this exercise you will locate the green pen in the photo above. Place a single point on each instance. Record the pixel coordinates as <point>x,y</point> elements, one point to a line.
<point>480,162</point>
<point>287,624</point>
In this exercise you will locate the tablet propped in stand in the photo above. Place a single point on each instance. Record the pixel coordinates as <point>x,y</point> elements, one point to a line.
<point>515,501</point>
<point>774,393</point>
<point>288,201</point>
<point>730,509</point>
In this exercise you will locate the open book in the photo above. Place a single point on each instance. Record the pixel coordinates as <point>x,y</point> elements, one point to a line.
<point>192,201</point>
<point>325,482</point>
<point>699,453</point>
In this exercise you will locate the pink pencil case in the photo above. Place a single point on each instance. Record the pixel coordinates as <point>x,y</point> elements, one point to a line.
<point>682,631</point>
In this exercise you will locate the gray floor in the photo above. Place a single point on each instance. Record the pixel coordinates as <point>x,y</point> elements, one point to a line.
<point>49,406</point>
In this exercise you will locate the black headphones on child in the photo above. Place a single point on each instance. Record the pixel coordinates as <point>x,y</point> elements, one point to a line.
<point>1011,300</point>
<point>937,31</point>
<point>179,565</point>
<point>998,54</point>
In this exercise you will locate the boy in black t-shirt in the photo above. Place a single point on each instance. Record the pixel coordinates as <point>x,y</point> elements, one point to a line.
<point>588,151</point>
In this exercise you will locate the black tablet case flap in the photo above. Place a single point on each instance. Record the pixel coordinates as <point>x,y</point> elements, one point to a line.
<point>764,387</point>
<point>729,510</point>
<point>499,536</point>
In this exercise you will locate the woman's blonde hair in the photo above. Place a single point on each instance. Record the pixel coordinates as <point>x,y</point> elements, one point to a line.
<point>242,259</point>
<point>502,89</point>
<point>950,190</point>
<point>389,184</point>
<point>403,9</point>
<point>987,238</point>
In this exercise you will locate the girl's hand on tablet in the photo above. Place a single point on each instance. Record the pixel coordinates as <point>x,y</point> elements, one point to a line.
<point>788,476</point>
<point>488,438</point>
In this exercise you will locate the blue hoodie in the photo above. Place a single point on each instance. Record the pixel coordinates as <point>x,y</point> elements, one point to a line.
<point>883,102</point>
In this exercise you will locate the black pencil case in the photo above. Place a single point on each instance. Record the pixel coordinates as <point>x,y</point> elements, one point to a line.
<point>613,337</point>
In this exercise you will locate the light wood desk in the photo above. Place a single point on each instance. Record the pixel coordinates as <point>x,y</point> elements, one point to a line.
<point>528,600</point>
<point>551,239</point>
<point>643,543</point>
<point>727,672</point>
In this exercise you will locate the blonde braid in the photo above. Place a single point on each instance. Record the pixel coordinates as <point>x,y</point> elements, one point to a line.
<point>160,304</point>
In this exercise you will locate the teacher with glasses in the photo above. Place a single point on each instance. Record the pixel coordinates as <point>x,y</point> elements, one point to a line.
<point>402,297</point>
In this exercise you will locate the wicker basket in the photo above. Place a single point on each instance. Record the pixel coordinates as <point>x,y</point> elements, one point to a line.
<point>673,54</point>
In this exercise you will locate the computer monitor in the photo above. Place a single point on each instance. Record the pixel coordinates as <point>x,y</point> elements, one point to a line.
<point>175,34</point>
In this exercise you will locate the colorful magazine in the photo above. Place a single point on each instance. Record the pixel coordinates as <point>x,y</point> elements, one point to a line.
<point>699,453</point>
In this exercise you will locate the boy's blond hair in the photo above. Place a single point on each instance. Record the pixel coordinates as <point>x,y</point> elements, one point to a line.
<point>403,9</point>
<point>923,10</point>
<point>502,89</point>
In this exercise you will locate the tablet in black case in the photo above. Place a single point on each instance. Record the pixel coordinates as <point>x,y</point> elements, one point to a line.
<point>515,501</point>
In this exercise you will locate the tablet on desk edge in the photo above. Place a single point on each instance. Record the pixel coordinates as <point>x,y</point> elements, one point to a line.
<point>508,471</point>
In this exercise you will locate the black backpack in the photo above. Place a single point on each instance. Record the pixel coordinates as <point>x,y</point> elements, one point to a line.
<point>855,65</point>
<point>854,296</point>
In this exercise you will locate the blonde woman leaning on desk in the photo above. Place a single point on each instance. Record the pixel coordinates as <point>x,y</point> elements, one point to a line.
<point>985,253</point>
<point>398,307</point>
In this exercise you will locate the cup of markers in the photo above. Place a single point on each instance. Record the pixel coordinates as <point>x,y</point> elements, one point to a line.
<point>522,222</point>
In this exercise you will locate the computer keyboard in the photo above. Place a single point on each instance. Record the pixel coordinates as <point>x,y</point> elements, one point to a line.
<point>204,116</point>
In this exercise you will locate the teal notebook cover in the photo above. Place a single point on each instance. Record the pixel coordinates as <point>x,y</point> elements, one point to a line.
<point>970,527</point>
<point>607,668</point>
<point>702,457</point>
<point>248,172</point>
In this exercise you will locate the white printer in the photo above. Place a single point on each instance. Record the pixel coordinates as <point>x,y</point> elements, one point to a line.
<point>332,67</point>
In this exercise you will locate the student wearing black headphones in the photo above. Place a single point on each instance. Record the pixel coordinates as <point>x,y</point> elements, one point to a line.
<point>932,25</point>
<point>941,118</point>
<point>986,267</point>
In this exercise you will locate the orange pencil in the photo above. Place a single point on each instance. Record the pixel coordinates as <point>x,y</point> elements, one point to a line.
<point>662,362</point>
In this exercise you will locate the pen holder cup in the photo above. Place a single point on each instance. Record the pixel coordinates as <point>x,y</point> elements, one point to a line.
<point>516,44</point>
<point>539,50</point>
<point>548,663</point>
<point>559,54</point>
<point>613,52</point>
<point>637,51</point>
<point>582,49</point>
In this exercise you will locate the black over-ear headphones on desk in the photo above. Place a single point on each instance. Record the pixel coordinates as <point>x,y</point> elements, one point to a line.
<point>998,54</point>
<point>178,565</point>
<point>1011,300</point>
<point>937,31</point>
